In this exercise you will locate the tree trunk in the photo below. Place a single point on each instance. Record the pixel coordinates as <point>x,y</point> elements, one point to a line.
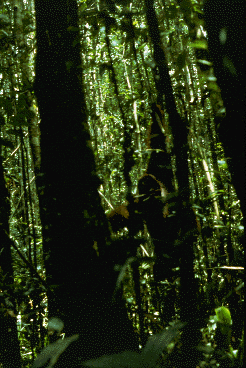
<point>226,26</point>
<point>81,283</point>
<point>9,344</point>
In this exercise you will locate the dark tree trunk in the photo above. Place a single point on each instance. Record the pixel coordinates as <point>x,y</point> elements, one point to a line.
<point>81,283</point>
<point>184,219</point>
<point>9,344</point>
<point>226,26</point>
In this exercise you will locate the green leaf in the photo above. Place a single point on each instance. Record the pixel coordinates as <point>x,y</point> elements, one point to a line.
<point>224,316</point>
<point>222,164</point>
<point>199,44</point>
<point>142,47</point>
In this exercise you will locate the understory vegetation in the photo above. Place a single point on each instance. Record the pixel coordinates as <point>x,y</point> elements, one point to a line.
<point>122,183</point>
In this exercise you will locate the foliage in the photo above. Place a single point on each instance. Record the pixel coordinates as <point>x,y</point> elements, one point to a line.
<point>121,85</point>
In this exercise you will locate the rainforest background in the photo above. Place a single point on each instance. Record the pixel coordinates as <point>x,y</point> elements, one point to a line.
<point>122,181</point>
